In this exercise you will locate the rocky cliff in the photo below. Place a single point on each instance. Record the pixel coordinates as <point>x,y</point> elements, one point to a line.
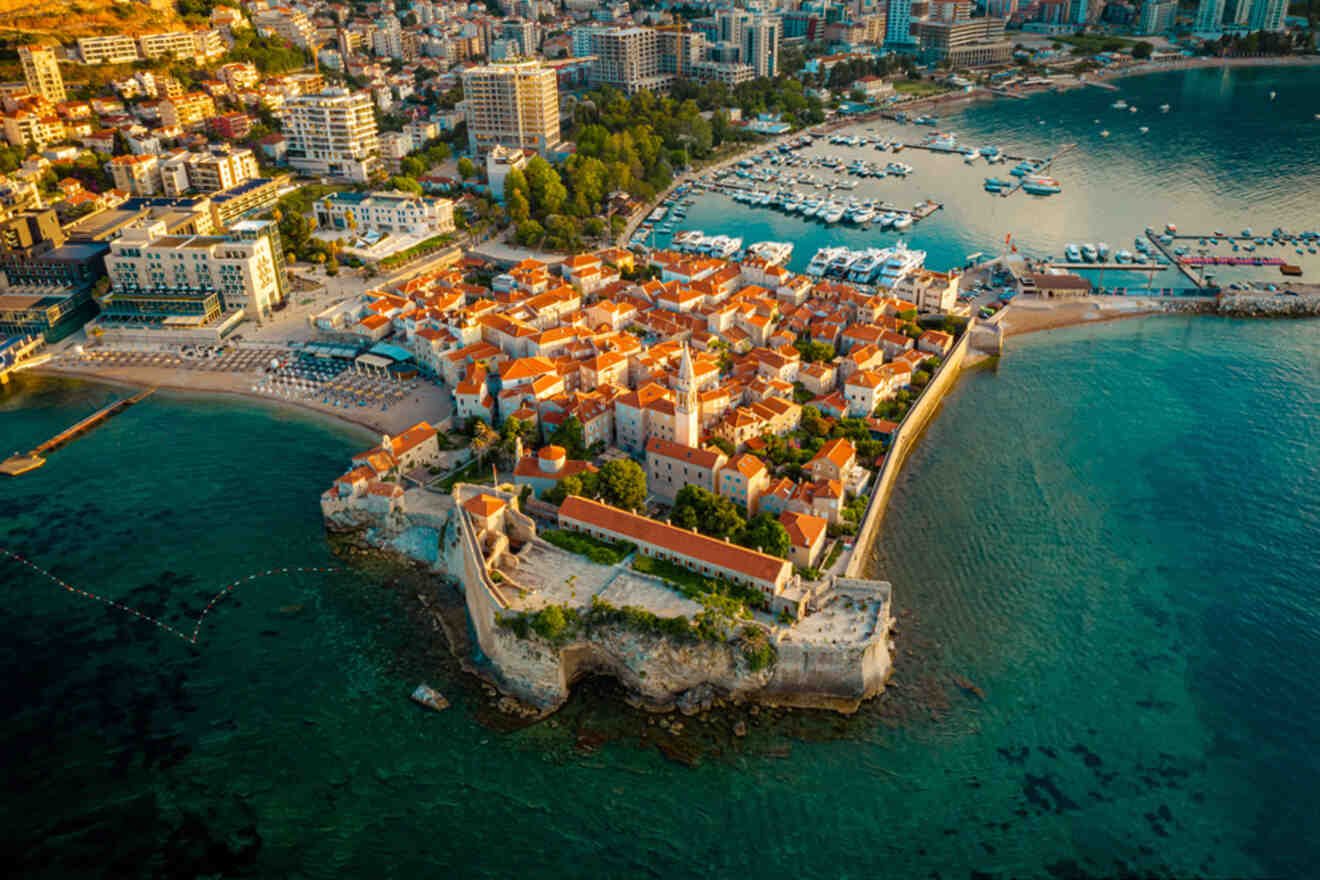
<point>811,667</point>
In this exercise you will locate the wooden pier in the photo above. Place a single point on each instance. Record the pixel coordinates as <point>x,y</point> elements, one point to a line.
<point>21,464</point>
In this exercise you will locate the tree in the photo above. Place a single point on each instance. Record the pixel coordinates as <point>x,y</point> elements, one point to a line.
<point>519,210</point>
<point>695,508</point>
<point>765,533</point>
<point>1142,50</point>
<point>466,169</point>
<point>813,422</point>
<point>569,436</point>
<point>406,184</point>
<point>547,190</point>
<point>413,166</point>
<point>623,484</point>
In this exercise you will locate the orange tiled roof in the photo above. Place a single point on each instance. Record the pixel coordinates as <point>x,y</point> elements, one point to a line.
<point>680,542</point>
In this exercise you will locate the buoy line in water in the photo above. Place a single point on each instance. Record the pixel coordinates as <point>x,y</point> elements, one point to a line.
<point>190,639</point>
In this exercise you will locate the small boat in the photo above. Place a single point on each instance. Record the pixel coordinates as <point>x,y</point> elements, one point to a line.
<point>430,698</point>
<point>1290,269</point>
<point>1164,108</point>
<point>1120,104</point>
<point>1072,253</point>
<point>1170,228</point>
<point>1143,129</point>
<point>1104,133</point>
<point>1271,95</point>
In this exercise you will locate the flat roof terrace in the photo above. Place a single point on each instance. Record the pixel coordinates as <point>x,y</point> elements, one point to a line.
<point>558,577</point>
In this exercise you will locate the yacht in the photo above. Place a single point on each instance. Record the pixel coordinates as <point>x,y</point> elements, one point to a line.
<point>835,213</point>
<point>821,261</point>
<point>900,262</point>
<point>776,253</point>
<point>841,263</point>
<point>863,215</point>
<point>687,238</point>
<point>867,265</point>
<point>887,219</point>
<point>1089,253</point>
<point>1072,253</point>
<point>723,246</point>
<point>902,221</point>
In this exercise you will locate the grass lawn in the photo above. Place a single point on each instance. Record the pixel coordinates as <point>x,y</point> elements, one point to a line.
<point>599,552</point>
<point>468,472</point>
<point>919,88</point>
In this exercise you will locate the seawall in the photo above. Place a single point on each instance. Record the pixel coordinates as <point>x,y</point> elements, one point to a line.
<point>905,438</point>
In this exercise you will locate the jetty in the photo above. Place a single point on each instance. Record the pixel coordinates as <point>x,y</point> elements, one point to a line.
<point>1039,169</point>
<point>21,464</point>
<point>1174,259</point>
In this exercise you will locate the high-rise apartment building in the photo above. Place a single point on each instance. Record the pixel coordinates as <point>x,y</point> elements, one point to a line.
<point>1268,15</point>
<point>756,34</point>
<point>1078,10</point>
<point>759,41</point>
<point>628,59</point>
<point>1157,16</point>
<point>42,73</point>
<point>333,133</point>
<point>512,104</point>
<point>898,26</point>
<point>1209,16</point>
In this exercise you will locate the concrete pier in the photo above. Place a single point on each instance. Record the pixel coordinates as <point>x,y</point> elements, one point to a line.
<point>20,464</point>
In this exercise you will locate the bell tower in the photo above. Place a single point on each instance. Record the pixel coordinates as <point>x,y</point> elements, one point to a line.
<point>687,410</point>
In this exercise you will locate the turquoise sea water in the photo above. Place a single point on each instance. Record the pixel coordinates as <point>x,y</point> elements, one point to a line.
<point>1110,536</point>
<point>1224,157</point>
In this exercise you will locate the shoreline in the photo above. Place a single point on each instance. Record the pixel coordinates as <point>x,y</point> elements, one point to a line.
<point>1207,63</point>
<point>277,404</point>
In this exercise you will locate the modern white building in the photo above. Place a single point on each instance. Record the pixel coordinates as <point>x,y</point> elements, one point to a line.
<point>42,73</point>
<point>191,281</point>
<point>108,49</point>
<point>217,168</point>
<point>333,134</point>
<point>386,212</point>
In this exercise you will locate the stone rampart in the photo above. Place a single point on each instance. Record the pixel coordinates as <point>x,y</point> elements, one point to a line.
<point>902,442</point>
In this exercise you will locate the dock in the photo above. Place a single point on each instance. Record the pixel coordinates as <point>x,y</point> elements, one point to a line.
<point>1173,259</point>
<point>22,463</point>
<point>1039,169</point>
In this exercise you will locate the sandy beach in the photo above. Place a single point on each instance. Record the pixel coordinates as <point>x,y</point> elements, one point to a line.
<point>427,403</point>
<point>1031,316</point>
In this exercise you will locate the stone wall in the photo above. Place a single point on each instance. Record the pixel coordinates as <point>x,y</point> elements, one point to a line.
<point>1269,305</point>
<point>902,443</point>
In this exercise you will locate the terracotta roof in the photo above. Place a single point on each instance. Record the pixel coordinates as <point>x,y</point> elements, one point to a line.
<point>552,452</point>
<point>484,505</point>
<point>747,465</point>
<point>804,530</point>
<point>702,458</point>
<point>413,437</point>
<point>838,451</point>
<point>680,542</point>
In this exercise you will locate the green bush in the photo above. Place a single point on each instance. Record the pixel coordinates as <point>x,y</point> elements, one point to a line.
<point>599,552</point>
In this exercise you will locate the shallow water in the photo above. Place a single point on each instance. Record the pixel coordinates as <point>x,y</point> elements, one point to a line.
<point>1192,168</point>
